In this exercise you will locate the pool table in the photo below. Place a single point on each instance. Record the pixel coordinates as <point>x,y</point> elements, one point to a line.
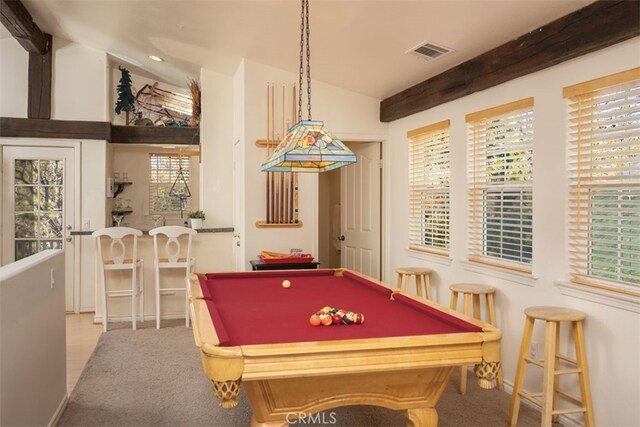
<point>251,329</point>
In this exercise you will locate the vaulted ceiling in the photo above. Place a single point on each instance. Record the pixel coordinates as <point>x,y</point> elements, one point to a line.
<point>357,45</point>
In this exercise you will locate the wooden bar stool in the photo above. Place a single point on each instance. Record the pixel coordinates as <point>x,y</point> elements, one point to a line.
<point>421,275</point>
<point>471,293</point>
<point>548,398</point>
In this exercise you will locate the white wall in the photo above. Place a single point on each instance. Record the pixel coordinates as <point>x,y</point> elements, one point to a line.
<point>612,334</point>
<point>14,69</point>
<point>79,82</point>
<point>33,366</point>
<point>348,115</point>
<point>216,143</point>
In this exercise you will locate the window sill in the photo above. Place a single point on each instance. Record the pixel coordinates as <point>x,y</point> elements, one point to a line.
<point>430,257</point>
<point>527,279</point>
<point>601,296</point>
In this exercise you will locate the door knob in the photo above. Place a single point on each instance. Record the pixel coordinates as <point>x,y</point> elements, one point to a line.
<point>341,238</point>
<point>68,238</point>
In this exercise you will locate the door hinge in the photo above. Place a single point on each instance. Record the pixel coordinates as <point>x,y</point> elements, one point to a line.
<point>380,164</point>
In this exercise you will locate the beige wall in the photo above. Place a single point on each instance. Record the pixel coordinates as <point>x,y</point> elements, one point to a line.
<point>612,326</point>
<point>79,82</point>
<point>14,70</point>
<point>33,380</point>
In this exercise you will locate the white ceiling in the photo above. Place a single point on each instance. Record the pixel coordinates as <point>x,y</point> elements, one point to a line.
<point>357,45</point>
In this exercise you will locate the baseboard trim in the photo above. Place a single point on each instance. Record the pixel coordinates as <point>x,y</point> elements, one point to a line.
<point>61,407</point>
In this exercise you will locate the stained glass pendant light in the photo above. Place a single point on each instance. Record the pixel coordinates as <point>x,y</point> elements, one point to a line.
<point>308,145</point>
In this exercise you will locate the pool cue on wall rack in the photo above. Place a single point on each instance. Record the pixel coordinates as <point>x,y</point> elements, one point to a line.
<point>268,153</point>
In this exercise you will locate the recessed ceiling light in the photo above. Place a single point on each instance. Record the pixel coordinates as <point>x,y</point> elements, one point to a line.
<point>156,58</point>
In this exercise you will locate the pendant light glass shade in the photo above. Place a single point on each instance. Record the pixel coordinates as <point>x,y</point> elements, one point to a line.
<point>308,147</point>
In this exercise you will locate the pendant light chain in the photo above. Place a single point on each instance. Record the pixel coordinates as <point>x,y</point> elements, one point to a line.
<point>306,2</point>
<point>304,31</point>
<point>301,71</point>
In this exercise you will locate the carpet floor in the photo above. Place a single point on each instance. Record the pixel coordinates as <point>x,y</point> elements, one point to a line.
<point>154,377</point>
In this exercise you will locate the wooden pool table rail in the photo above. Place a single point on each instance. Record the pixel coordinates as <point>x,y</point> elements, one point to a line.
<point>308,377</point>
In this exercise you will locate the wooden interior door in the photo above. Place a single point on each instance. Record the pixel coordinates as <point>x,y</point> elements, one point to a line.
<point>360,200</point>
<point>38,205</point>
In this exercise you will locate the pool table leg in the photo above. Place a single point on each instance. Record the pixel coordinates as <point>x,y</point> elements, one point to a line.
<point>422,417</point>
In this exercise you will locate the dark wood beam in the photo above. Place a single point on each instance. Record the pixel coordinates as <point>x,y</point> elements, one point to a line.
<point>17,20</point>
<point>37,128</point>
<point>39,86</point>
<point>594,27</point>
<point>104,131</point>
<point>155,135</point>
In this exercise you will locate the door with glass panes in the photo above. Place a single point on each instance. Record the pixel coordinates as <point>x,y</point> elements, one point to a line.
<point>37,213</point>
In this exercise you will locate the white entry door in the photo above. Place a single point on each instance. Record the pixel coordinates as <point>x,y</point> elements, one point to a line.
<point>38,205</point>
<point>360,200</point>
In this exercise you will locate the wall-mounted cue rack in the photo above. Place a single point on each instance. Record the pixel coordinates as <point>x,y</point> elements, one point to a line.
<point>281,207</point>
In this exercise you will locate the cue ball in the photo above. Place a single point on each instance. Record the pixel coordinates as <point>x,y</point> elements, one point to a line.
<point>286,283</point>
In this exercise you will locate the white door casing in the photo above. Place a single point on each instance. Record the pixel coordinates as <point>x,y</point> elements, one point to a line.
<point>44,216</point>
<point>360,196</point>
<point>238,194</point>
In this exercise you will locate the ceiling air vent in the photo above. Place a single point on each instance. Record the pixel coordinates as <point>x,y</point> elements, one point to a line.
<point>429,51</point>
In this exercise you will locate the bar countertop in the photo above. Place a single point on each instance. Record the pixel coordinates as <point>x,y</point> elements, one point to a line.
<point>201,230</point>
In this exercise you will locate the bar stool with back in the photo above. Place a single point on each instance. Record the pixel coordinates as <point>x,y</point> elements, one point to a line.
<point>121,257</point>
<point>174,256</point>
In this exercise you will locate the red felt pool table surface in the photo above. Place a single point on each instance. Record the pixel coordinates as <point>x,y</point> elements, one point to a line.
<point>254,308</point>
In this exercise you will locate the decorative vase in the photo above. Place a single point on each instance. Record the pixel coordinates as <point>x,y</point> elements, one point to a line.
<point>196,223</point>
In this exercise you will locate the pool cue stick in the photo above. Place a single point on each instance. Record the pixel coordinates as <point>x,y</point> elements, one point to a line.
<point>280,200</point>
<point>274,176</point>
<point>295,198</point>
<point>268,153</point>
<point>291,193</point>
<point>284,219</point>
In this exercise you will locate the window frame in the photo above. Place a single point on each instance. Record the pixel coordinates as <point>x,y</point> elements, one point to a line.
<point>584,180</point>
<point>436,138</point>
<point>153,185</point>
<point>479,125</point>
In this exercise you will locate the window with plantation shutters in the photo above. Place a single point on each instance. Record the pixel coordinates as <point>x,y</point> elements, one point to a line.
<point>429,172</point>
<point>500,172</point>
<point>164,169</point>
<point>604,171</point>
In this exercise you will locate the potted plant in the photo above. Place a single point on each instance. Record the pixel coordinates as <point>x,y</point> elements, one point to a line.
<point>196,218</point>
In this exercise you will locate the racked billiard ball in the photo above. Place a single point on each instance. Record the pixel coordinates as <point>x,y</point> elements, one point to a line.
<point>326,320</point>
<point>337,319</point>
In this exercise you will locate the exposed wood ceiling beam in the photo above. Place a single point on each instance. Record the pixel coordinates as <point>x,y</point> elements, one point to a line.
<point>70,129</point>
<point>39,84</point>
<point>589,29</point>
<point>17,20</point>
<point>104,131</point>
<point>155,135</point>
